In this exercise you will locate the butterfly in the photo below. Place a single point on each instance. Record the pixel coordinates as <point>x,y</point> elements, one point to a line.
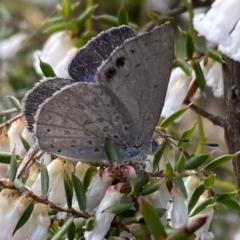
<point>116,90</point>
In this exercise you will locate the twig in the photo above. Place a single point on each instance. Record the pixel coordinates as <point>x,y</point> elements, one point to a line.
<point>7,123</point>
<point>27,160</point>
<point>214,119</point>
<point>41,199</point>
<point>7,112</point>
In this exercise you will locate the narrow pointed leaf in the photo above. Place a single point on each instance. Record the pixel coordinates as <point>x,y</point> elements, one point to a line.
<point>152,220</point>
<point>122,17</point>
<point>151,188</point>
<point>180,165</point>
<point>24,142</point>
<point>63,230</point>
<point>189,46</point>
<point>168,172</point>
<point>68,186</point>
<point>13,168</point>
<point>158,155</point>
<point>196,161</point>
<point>215,55</point>
<point>195,197</point>
<point>66,9</point>
<point>231,204</point>
<point>219,161</point>
<point>184,66</point>
<point>224,196</point>
<point>86,15</point>
<point>88,177</point>
<point>167,121</point>
<point>120,208</point>
<point>112,152</point>
<point>186,135</point>
<point>46,69</point>
<point>26,215</point>
<point>139,182</point>
<point>15,102</point>
<point>44,179</point>
<point>199,76</point>
<point>209,181</point>
<point>108,20</point>
<point>79,192</point>
<point>5,157</point>
<point>57,28</point>
<point>201,206</point>
<point>180,186</point>
<point>71,231</point>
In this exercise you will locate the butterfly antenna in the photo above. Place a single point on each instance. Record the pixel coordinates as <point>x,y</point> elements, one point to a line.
<point>165,136</point>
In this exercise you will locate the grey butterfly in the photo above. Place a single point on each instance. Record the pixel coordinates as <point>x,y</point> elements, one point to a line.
<point>117,91</point>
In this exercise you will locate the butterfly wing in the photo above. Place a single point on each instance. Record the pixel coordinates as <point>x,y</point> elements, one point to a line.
<point>84,64</point>
<point>41,91</point>
<point>138,73</point>
<point>75,122</point>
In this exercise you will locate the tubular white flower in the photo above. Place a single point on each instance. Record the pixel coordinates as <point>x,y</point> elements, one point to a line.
<point>179,214</point>
<point>97,189</point>
<point>213,75</point>
<point>11,45</point>
<point>103,219</point>
<point>191,183</point>
<point>81,169</point>
<point>57,51</point>
<point>177,90</point>
<point>129,173</point>
<point>56,171</point>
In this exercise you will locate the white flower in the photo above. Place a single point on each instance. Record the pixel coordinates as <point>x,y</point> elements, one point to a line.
<point>221,26</point>
<point>129,173</point>
<point>191,183</point>
<point>103,219</point>
<point>81,169</point>
<point>179,213</point>
<point>177,90</point>
<point>213,75</point>
<point>11,45</point>
<point>161,5</point>
<point>56,170</point>
<point>97,189</point>
<point>57,51</point>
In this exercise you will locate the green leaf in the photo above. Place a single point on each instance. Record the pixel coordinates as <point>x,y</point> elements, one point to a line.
<point>180,186</point>
<point>66,9</point>
<point>152,220</point>
<point>71,232</point>
<point>120,208</point>
<point>196,161</point>
<point>186,135</point>
<point>13,168</point>
<point>189,46</point>
<point>86,15</point>
<point>46,69</point>
<point>231,204</point>
<point>151,188</point>
<point>44,179</point>
<point>26,215</point>
<point>180,165</point>
<point>199,76</point>
<point>219,161</point>
<point>57,28</point>
<point>209,181</point>
<point>169,120</point>
<point>154,17</point>
<point>168,172</point>
<point>127,214</point>
<point>225,196</point>
<point>24,143</point>
<point>15,102</point>
<point>184,66</point>
<point>88,177</point>
<point>215,55</point>
<point>79,192</point>
<point>68,186</point>
<point>122,16</point>
<point>54,20</point>
<point>139,182</point>
<point>112,151</point>
<point>201,206</point>
<point>195,197</point>
<point>108,20</point>
<point>158,155</point>
<point>63,230</point>
<point>5,157</point>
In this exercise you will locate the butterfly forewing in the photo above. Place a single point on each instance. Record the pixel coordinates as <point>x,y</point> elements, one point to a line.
<point>75,122</point>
